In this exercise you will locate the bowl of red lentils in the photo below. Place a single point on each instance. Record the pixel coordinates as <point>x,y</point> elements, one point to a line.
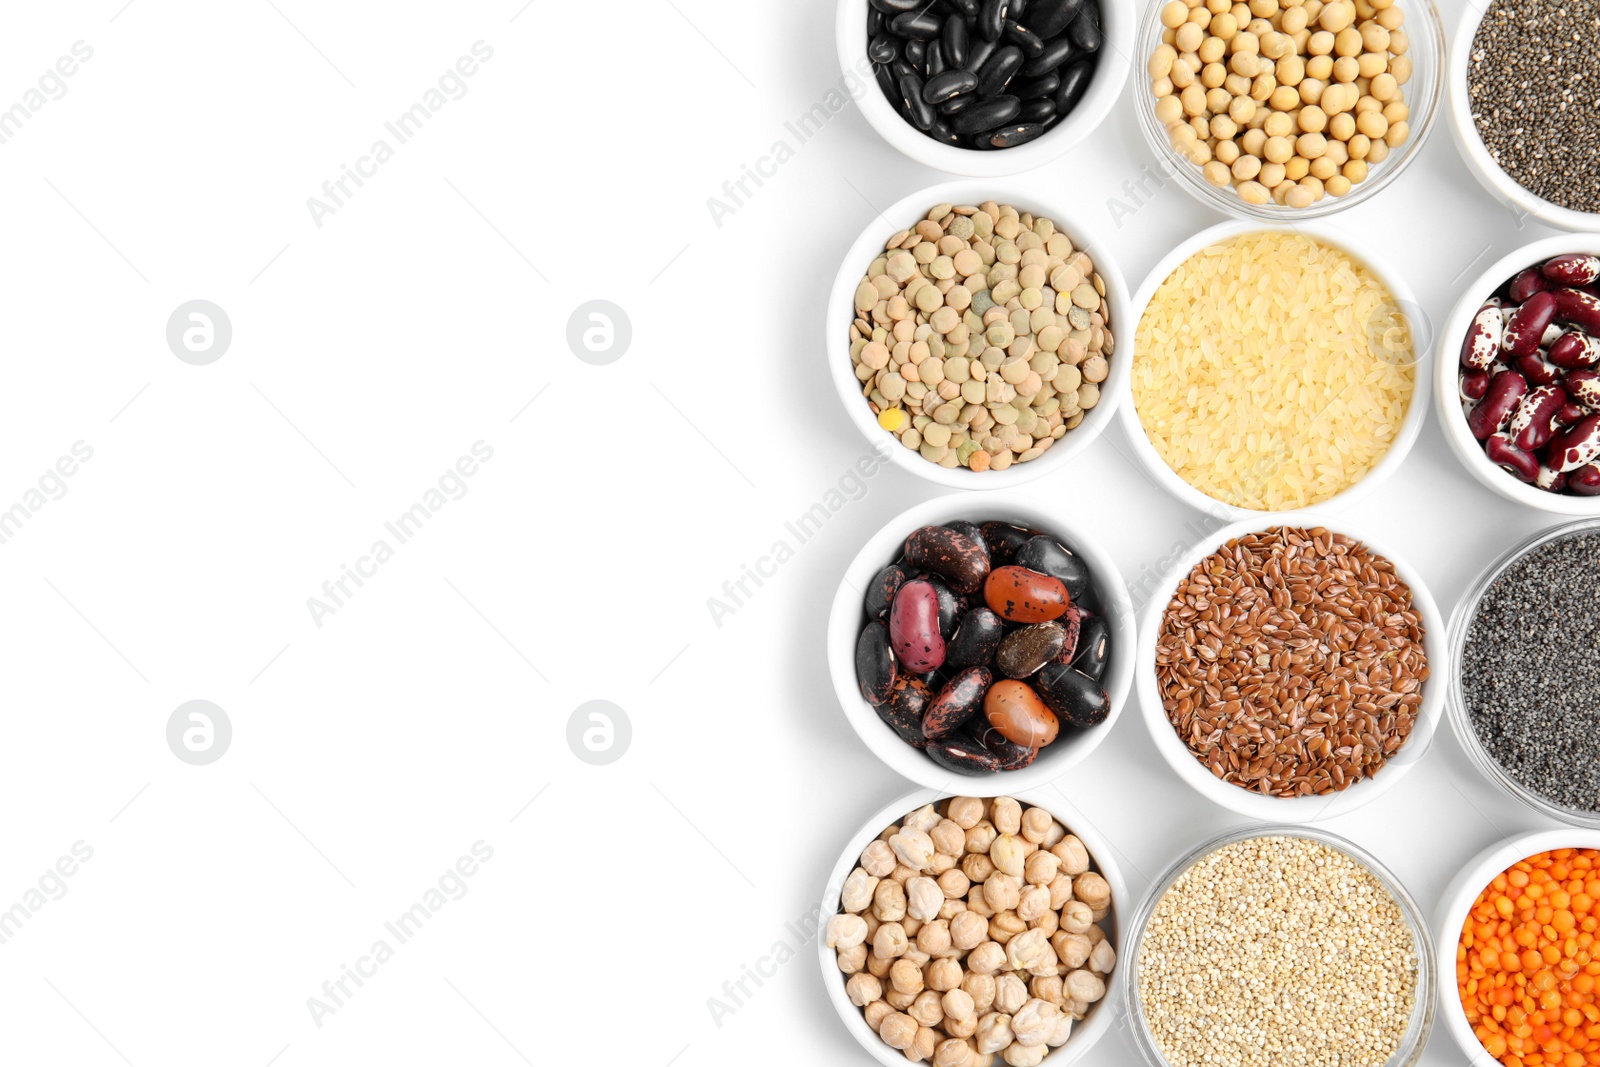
<point>1522,918</point>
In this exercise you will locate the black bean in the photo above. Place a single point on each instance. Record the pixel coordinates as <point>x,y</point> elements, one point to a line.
<point>998,72</point>
<point>918,25</point>
<point>1042,109</point>
<point>876,21</point>
<point>885,48</point>
<point>955,42</point>
<point>950,84</point>
<point>1055,53</point>
<point>1011,136</point>
<point>1074,80</point>
<point>900,68</point>
<point>956,105</point>
<point>1018,9</point>
<point>978,53</point>
<point>987,115</point>
<point>896,7</point>
<point>968,8</point>
<point>1031,88</point>
<point>918,110</point>
<point>936,61</point>
<point>1031,43</point>
<point>886,82</point>
<point>992,18</point>
<point>916,53</point>
<point>1085,31</point>
<point>1049,17</point>
<point>941,129</point>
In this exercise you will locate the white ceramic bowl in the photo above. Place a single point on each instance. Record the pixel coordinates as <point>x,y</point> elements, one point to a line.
<point>1456,901</point>
<point>1110,76</point>
<point>1302,810</point>
<point>1423,95</point>
<point>846,619</point>
<point>1416,413</point>
<point>1482,165</point>
<point>1447,377</point>
<point>1102,1015</point>
<point>1422,1014</point>
<point>1068,219</point>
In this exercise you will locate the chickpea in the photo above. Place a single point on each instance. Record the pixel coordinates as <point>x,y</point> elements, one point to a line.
<point>906,977</point>
<point>851,960</point>
<point>948,838</point>
<point>1048,987</point>
<point>863,989</point>
<point>1103,958</point>
<point>934,939</point>
<point>1062,1031</point>
<point>951,908</point>
<point>968,930</point>
<point>846,931</point>
<point>898,1031</point>
<point>1007,854</point>
<point>1010,994</point>
<point>1073,854</point>
<point>994,1032</point>
<point>1072,949</point>
<point>890,942</point>
<point>1034,1022</point>
<point>924,1044</point>
<point>978,903</point>
<point>1001,892</point>
<point>1035,824</point>
<point>961,1027</point>
<point>981,836</point>
<point>877,966</point>
<point>977,866</point>
<point>1005,925</point>
<point>875,1014</point>
<point>1034,904</point>
<point>989,957</point>
<point>1019,1055</point>
<point>965,812</point>
<point>1085,986</point>
<point>923,819</point>
<point>878,859</point>
<point>913,848</point>
<point>858,891</point>
<point>889,901</point>
<point>926,1009</point>
<point>981,988</point>
<point>953,1052</point>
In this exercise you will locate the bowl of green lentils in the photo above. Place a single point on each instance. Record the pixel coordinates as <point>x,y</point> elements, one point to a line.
<point>983,332</point>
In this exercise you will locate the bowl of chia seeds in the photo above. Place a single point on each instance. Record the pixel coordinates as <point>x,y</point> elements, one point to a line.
<point>1525,104</point>
<point>1525,645</point>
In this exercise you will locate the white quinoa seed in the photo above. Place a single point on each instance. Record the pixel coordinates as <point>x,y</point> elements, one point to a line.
<point>1277,952</point>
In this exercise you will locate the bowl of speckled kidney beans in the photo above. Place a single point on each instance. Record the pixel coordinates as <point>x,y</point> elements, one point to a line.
<point>1517,378</point>
<point>981,643</point>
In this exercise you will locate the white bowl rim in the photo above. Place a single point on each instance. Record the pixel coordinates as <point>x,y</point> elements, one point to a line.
<point>1101,851</point>
<point>844,628</point>
<point>841,312</point>
<point>1321,230</point>
<point>1298,810</point>
<point>1483,166</point>
<point>1227,201</point>
<point>1446,376</point>
<point>1456,901</point>
<point>1110,78</point>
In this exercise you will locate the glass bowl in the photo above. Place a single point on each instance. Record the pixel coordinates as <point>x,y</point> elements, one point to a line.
<point>1422,1014</point>
<point>1456,704</point>
<point>1424,93</point>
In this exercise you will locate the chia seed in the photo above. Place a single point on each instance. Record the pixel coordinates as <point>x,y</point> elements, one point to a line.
<point>1533,80</point>
<point>1530,672</point>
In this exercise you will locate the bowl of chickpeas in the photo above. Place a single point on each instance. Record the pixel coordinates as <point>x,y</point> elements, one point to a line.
<point>1289,109</point>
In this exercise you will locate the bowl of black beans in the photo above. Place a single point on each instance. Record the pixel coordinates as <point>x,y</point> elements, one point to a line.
<point>986,87</point>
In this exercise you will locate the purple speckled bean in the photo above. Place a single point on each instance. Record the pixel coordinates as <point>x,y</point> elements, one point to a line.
<point>1525,327</point>
<point>1549,479</point>
<point>1573,269</point>
<point>1534,421</point>
<point>1585,481</point>
<point>1537,369</point>
<point>1526,284</point>
<point>1578,308</point>
<point>1482,346</point>
<point>1583,387</point>
<point>1577,447</point>
<point>1506,390</point>
<point>914,628</point>
<point>1575,349</point>
<point>1511,459</point>
<point>1571,413</point>
<point>1474,383</point>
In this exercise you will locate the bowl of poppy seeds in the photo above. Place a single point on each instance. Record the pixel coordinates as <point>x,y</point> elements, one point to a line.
<point>1525,104</point>
<point>1527,692</point>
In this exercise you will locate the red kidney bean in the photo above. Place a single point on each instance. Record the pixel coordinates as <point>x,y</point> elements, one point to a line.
<point>1474,383</point>
<point>1574,448</point>
<point>1482,346</point>
<point>1537,370</point>
<point>1506,390</point>
<point>1533,423</point>
<point>1526,284</point>
<point>1578,308</point>
<point>951,555</point>
<point>1526,325</point>
<point>1575,349</point>
<point>1585,481</point>
<point>1511,459</point>
<point>1549,479</point>
<point>914,627</point>
<point>1583,386</point>
<point>1573,269</point>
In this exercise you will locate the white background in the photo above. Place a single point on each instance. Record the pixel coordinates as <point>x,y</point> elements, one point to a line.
<point>369,754</point>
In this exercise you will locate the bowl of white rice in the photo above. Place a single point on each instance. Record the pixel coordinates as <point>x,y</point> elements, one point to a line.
<point>1275,369</point>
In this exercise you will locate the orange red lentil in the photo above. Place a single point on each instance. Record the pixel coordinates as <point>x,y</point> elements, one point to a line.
<point>1527,966</point>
